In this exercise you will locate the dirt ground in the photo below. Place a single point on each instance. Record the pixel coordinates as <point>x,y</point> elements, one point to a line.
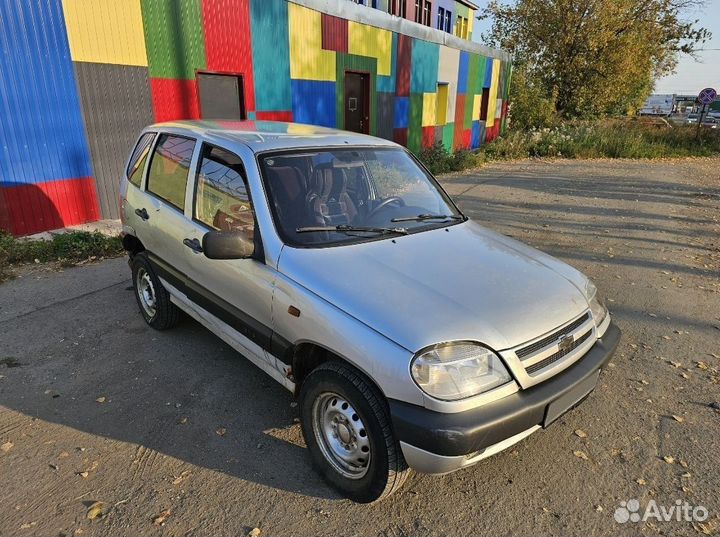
<point>96,406</point>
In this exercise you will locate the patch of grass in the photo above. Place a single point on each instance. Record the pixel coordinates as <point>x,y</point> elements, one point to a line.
<point>439,160</point>
<point>606,139</point>
<point>615,138</point>
<point>65,248</point>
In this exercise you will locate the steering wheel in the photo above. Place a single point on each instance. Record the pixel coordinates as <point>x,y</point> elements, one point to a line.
<point>386,202</point>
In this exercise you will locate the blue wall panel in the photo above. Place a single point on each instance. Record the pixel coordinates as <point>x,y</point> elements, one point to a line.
<point>271,55</point>
<point>475,140</point>
<point>488,74</point>
<point>424,74</point>
<point>402,112</point>
<point>42,136</point>
<point>314,102</point>
<point>463,73</point>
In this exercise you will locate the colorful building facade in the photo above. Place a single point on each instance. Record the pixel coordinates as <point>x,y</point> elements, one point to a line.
<point>82,77</point>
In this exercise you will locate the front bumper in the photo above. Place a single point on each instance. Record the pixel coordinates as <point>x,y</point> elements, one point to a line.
<point>438,443</point>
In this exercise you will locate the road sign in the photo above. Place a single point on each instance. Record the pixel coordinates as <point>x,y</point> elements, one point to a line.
<point>707,96</point>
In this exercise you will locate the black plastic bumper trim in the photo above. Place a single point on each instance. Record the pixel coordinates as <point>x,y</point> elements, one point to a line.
<point>466,432</point>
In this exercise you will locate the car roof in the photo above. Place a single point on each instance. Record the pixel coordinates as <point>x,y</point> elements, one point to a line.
<point>262,136</point>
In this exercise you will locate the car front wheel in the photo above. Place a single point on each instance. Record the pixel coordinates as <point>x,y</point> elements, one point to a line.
<point>347,428</point>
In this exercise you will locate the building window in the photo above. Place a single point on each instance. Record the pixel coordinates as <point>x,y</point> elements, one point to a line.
<point>418,11</point>
<point>441,18</point>
<point>461,27</point>
<point>427,13</point>
<point>448,21</point>
<point>397,8</point>
<point>442,103</point>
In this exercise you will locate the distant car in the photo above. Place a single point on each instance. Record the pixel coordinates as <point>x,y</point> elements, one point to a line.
<point>336,263</point>
<point>692,118</point>
<point>711,123</point>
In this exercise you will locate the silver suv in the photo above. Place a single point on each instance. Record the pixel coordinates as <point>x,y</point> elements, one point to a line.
<point>412,336</point>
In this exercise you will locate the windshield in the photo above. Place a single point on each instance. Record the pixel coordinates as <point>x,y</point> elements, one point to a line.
<point>339,196</point>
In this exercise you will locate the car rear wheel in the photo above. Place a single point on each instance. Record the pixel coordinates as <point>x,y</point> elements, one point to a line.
<point>153,299</point>
<point>347,428</point>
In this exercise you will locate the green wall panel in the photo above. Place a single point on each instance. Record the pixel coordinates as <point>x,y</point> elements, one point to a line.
<point>415,126</point>
<point>173,38</point>
<point>473,87</point>
<point>271,54</point>
<point>448,135</point>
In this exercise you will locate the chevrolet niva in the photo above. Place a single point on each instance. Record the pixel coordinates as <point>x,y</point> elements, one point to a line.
<point>413,337</point>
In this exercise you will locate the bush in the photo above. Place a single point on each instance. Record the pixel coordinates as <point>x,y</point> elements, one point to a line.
<point>439,160</point>
<point>67,248</point>
<point>606,139</point>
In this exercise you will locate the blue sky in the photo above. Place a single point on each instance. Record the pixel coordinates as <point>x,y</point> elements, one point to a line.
<point>692,74</point>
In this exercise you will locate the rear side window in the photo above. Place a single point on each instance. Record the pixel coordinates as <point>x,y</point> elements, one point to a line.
<point>222,201</point>
<point>169,167</point>
<point>139,156</point>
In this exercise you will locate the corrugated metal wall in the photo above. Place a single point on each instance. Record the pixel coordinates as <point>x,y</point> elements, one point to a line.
<point>136,61</point>
<point>45,175</point>
<point>107,45</point>
<point>116,106</point>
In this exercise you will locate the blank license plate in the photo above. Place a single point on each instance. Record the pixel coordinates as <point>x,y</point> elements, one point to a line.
<point>561,405</point>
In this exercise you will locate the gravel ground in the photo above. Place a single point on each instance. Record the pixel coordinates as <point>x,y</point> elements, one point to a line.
<point>95,406</point>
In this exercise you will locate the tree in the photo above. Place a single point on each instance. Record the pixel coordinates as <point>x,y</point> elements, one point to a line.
<point>593,57</point>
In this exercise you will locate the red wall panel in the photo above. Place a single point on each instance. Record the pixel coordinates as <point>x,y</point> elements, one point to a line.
<point>228,44</point>
<point>428,137</point>
<point>274,116</point>
<point>334,33</point>
<point>459,121</point>
<point>174,99</point>
<point>400,136</point>
<point>404,64</point>
<point>35,207</point>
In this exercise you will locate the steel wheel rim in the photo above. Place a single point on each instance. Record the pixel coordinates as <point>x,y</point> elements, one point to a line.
<point>146,292</point>
<point>341,435</point>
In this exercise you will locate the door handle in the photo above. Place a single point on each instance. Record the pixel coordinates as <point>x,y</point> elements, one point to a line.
<point>194,245</point>
<point>142,213</point>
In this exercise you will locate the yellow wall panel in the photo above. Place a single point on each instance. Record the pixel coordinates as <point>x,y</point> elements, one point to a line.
<point>105,31</point>
<point>308,60</point>
<point>442,105</point>
<point>429,109</point>
<point>477,106</point>
<point>365,40</point>
<point>492,102</point>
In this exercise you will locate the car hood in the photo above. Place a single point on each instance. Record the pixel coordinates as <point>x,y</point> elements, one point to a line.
<point>462,282</point>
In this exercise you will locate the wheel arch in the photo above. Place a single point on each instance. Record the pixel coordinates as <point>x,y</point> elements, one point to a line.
<point>308,355</point>
<point>132,244</point>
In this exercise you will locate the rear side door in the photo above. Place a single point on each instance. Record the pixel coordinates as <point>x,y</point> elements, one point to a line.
<point>161,223</point>
<point>238,291</point>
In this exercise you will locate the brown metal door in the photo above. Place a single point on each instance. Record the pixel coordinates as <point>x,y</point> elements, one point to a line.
<point>357,102</point>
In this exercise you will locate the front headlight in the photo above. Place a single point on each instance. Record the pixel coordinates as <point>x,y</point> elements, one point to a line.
<point>452,371</point>
<point>597,306</point>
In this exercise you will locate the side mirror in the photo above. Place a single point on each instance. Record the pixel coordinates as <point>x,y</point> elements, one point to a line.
<point>227,245</point>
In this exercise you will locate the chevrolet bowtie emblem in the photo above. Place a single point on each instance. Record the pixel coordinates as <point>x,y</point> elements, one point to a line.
<point>566,343</point>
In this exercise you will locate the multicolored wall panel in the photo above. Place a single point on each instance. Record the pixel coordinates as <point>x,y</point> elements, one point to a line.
<point>81,79</point>
<point>45,174</point>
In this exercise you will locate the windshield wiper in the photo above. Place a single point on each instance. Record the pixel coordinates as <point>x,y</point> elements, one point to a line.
<point>345,228</point>
<point>421,217</point>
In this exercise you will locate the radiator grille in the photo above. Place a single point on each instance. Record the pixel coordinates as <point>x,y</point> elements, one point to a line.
<point>542,364</point>
<point>544,342</point>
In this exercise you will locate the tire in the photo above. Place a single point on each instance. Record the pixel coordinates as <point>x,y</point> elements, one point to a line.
<point>372,474</point>
<point>152,298</point>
